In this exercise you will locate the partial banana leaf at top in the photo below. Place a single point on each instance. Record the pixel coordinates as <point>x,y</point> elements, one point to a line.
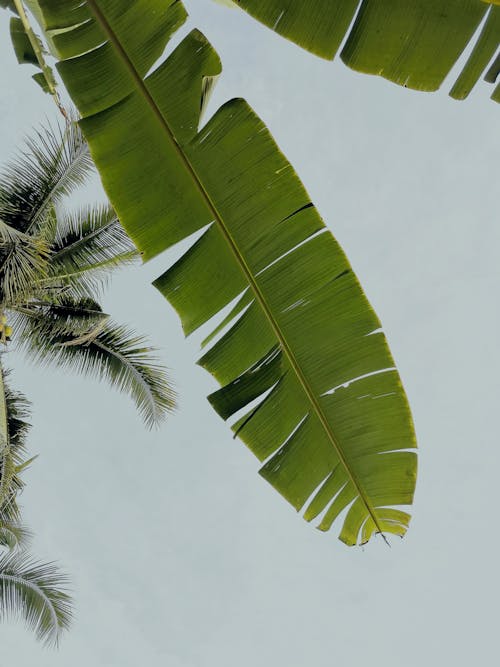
<point>414,43</point>
<point>303,358</point>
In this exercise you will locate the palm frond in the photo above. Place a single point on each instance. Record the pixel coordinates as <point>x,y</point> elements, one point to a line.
<point>36,592</point>
<point>89,243</point>
<point>9,234</point>
<point>94,231</point>
<point>62,315</point>
<point>113,353</point>
<point>13,535</point>
<point>23,262</point>
<point>48,223</point>
<point>52,164</point>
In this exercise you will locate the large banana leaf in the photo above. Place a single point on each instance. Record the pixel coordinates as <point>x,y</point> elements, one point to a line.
<point>414,43</point>
<point>302,354</point>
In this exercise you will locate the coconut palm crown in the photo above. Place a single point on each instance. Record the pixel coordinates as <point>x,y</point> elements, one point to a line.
<point>53,266</point>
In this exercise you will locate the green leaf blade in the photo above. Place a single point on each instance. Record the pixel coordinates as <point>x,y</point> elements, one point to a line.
<point>414,43</point>
<point>483,52</point>
<point>317,25</point>
<point>309,327</point>
<point>23,48</point>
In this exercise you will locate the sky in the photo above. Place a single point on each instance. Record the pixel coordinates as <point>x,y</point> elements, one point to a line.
<point>179,553</point>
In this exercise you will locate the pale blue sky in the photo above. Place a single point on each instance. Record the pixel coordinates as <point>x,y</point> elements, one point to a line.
<point>180,553</point>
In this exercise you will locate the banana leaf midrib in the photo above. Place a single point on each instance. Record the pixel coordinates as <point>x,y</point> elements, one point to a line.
<point>108,30</point>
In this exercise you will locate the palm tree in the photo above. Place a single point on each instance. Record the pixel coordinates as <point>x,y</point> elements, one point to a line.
<point>53,265</point>
<point>34,591</point>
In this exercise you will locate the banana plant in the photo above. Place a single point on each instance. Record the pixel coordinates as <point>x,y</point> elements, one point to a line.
<point>414,44</point>
<point>307,377</point>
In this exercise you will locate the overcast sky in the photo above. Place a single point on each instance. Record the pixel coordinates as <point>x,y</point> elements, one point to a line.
<point>179,553</point>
